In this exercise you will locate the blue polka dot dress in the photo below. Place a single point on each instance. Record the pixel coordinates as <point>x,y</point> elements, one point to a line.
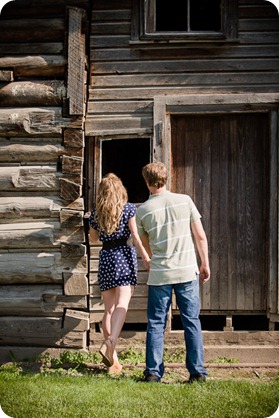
<point>117,266</point>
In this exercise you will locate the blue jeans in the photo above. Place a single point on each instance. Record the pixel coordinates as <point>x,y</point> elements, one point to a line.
<point>188,301</point>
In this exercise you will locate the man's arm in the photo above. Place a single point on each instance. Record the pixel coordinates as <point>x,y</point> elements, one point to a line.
<point>202,246</point>
<point>145,242</point>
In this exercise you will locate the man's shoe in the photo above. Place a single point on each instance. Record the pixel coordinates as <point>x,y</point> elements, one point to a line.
<point>197,378</point>
<point>152,378</point>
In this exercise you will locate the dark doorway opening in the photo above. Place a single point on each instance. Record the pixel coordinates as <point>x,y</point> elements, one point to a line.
<point>125,158</point>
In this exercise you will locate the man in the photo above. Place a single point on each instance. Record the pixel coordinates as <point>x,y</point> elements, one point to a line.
<point>166,223</point>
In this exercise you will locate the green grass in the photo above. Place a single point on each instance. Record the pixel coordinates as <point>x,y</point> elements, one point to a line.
<point>77,391</point>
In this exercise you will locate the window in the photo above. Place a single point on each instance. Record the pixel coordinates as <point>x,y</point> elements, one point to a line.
<point>185,19</point>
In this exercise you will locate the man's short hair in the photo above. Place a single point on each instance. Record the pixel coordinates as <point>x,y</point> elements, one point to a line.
<point>155,174</point>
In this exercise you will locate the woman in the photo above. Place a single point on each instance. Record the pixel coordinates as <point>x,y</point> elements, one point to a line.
<point>113,222</point>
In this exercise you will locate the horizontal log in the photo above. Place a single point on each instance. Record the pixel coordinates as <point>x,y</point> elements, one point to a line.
<point>26,208</point>
<point>37,267</point>
<point>29,207</point>
<point>30,331</point>
<point>41,66</point>
<point>29,178</point>
<point>34,48</point>
<point>30,152</point>
<point>35,93</point>
<point>28,327</point>
<point>15,300</point>
<point>15,121</point>
<point>43,30</point>
<point>37,235</point>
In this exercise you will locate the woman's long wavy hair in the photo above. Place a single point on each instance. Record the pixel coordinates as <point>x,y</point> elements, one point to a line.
<point>111,198</point>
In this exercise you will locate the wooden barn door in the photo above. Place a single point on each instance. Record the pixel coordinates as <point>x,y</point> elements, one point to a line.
<point>222,162</point>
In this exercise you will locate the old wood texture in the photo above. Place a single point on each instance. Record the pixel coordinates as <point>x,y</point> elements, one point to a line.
<point>43,259</point>
<point>128,77</point>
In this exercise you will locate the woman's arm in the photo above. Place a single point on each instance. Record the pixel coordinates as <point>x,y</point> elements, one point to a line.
<point>137,242</point>
<point>94,234</point>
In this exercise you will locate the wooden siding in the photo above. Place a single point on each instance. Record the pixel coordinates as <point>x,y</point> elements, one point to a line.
<point>123,72</point>
<point>43,258</point>
<point>127,76</point>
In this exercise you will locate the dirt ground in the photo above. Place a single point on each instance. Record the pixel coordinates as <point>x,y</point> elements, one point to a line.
<point>174,373</point>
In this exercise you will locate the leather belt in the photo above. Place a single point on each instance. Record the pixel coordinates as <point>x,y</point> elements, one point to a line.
<point>107,245</point>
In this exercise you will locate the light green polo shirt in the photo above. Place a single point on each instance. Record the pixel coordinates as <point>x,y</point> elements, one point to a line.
<point>166,218</point>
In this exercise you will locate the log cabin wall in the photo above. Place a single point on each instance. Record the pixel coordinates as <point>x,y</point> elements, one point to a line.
<point>43,260</point>
<point>127,74</point>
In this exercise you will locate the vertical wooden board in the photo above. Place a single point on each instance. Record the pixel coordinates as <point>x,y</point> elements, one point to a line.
<point>76,62</point>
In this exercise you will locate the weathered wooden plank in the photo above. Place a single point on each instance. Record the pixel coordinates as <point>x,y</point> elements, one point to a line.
<point>157,51</point>
<point>220,83</point>
<point>136,107</point>
<point>70,190</point>
<point>151,68</point>
<point>178,80</point>
<point>76,321</point>
<point>72,165</point>
<point>71,218</point>
<point>33,93</point>
<point>121,125</point>
<point>76,62</point>
<point>24,121</point>
<point>259,25</point>
<point>73,138</point>
<point>29,178</point>
<point>75,284</point>
<point>41,66</point>
<point>113,28</point>
<point>258,37</point>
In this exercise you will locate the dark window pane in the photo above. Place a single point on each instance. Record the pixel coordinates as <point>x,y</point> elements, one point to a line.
<point>205,15</point>
<point>171,16</point>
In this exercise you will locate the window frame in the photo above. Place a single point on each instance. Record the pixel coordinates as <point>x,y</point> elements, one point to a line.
<point>143,25</point>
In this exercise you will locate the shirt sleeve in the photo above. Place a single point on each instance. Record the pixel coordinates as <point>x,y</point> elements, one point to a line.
<point>131,210</point>
<point>195,214</point>
<point>93,223</point>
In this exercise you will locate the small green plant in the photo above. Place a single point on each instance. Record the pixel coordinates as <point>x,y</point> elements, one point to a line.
<point>224,360</point>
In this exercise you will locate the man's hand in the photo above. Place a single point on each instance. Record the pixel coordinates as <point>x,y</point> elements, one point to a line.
<point>204,274</point>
